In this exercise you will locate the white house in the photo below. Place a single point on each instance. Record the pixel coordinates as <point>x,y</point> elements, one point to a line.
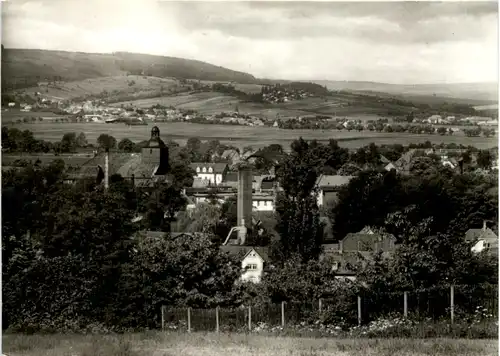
<point>212,172</point>
<point>253,260</point>
<point>483,239</point>
<point>263,202</point>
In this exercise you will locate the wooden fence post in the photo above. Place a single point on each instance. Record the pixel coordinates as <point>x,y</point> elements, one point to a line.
<point>320,305</point>
<point>162,318</point>
<point>249,318</point>
<point>283,314</point>
<point>452,303</point>
<point>359,310</point>
<point>217,319</point>
<point>189,319</point>
<point>405,306</point>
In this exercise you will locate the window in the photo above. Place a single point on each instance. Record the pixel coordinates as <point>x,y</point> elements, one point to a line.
<point>204,170</point>
<point>198,169</point>
<point>150,151</point>
<point>210,170</point>
<point>252,266</point>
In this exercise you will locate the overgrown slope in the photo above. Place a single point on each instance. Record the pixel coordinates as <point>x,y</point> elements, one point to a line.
<point>26,67</point>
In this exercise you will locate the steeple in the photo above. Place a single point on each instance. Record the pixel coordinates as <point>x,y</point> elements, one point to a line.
<point>156,152</point>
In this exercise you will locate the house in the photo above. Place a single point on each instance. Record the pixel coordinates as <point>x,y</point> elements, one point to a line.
<point>143,170</point>
<point>355,249</point>
<point>390,166</point>
<point>449,162</point>
<point>328,187</point>
<point>263,202</point>
<point>483,239</point>
<point>253,260</point>
<point>212,172</point>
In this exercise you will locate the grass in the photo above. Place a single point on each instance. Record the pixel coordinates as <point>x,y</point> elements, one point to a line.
<point>167,344</point>
<point>118,84</point>
<point>242,135</point>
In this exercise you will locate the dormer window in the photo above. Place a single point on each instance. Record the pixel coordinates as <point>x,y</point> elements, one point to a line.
<point>210,170</point>
<point>204,170</point>
<point>335,266</point>
<point>198,169</point>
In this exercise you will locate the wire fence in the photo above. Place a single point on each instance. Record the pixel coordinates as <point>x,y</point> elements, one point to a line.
<point>454,303</point>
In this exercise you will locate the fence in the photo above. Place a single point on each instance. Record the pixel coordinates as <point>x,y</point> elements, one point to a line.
<point>456,302</point>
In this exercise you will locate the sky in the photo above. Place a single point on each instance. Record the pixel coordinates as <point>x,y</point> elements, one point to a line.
<point>389,42</point>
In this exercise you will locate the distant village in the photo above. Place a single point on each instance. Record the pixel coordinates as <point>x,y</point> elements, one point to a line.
<point>99,111</point>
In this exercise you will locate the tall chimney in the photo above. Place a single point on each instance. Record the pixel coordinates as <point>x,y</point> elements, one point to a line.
<point>106,169</point>
<point>484,225</point>
<point>244,205</point>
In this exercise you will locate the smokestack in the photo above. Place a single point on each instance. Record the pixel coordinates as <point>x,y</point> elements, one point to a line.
<point>244,201</point>
<point>106,169</point>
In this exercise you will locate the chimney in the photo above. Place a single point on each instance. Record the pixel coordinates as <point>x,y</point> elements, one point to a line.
<point>244,204</point>
<point>106,169</point>
<point>484,225</point>
<point>341,246</point>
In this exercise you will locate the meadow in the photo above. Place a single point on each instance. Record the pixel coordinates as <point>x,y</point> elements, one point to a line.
<point>204,344</point>
<point>241,136</point>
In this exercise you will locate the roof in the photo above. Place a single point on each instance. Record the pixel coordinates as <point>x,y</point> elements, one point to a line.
<point>480,234</point>
<point>347,260</point>
<point>216,167</point>
<point>236,250</point>
<point>404,161</point>
<point>231,177</point>
<point>162,234</point>
<point>332,180</point>
<point>262,197</point>
<point>366,239</point>
<point>89,169</point>
<point>384,159</point>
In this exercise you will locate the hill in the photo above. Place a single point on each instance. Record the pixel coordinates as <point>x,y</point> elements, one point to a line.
<point>26,67</point>
<point>470,93</point>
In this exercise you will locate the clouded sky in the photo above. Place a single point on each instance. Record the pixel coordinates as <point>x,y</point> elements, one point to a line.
<point>392,42</point>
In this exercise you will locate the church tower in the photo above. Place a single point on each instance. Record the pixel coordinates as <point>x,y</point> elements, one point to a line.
<point>156,152</point>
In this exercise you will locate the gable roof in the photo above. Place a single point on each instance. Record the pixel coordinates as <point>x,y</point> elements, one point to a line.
<point>332,180</point>
<point>236,250</point>
<point>216,167</point>
<point>384,159</point>
<point>480,234</point>
<point>366,241</point>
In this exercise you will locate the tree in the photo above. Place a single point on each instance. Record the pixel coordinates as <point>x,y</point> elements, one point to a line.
<point>484,159</point>
<point>442,130</point>
<point>126,145</point>
<point>81,140</point>
<point>366,200</point>
<point>299,227</point>
<point>162,205</point>
<point>297,281</point>
<point>188,270</point>
<point>106,141</point>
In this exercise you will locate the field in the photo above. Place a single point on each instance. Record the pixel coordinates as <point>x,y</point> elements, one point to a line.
<point>241,136</point>
<point>115,86</point>
<point>204,344</point>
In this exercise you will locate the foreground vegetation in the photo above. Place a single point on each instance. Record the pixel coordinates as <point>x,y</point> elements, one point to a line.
<point>170,344</point>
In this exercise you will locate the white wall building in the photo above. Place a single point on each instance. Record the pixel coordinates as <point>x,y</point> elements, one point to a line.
<point>214,173</point>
